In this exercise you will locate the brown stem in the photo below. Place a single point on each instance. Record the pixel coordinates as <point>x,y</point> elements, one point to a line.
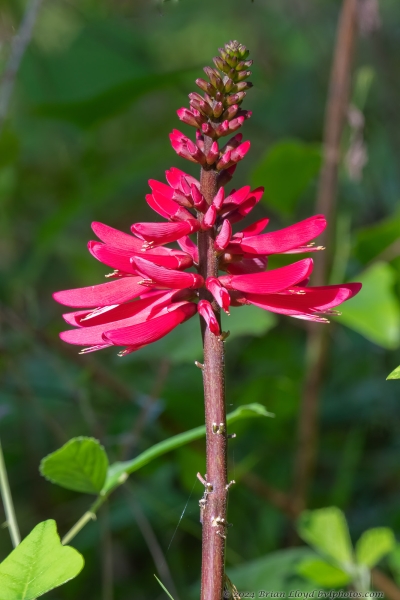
<point>214,513</point>
<point>317,343</point>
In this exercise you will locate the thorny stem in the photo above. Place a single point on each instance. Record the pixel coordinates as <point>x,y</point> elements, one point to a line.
<point>214,514</point>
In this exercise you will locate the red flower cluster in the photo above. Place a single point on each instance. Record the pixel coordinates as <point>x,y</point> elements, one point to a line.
<point>154,288</point>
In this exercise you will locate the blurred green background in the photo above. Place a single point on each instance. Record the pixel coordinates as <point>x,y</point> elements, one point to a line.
<point>88,124</point>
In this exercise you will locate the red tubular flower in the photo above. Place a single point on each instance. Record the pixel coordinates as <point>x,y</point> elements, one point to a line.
<point>152,292</point>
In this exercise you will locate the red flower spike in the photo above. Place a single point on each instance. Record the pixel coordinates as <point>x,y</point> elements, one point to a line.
<point>219,292</point>
<point>271,281</point>
<point>205,309</point>
<point>150,331</point>
<point>111,313</point>
<point>224,236</point>
<point>209,218</point>
<point>156,234</point>
<point>167,278</point>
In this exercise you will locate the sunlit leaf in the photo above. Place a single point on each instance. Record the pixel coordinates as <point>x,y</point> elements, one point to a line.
<point>373,545</point>
<point>286,170</point>
<point>80,465</point>
<point>39,564</point>
<point>323,573</point>
<point>326,530</point>
<point>394,374</point>
<point>375,311</point>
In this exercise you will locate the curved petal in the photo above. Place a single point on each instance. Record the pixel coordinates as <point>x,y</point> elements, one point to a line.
<point>285,239</point>
<point>269,282</point>
<point>167,277</point>
<point>163,233</point>
<point>117,239</point>
<point>113,292</point>
<point>142,334</point>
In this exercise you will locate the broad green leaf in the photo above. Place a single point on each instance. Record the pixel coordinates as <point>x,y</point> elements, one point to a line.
<point>119,471</point>
<point>323,573</point>
<point>80,465</point>
<point>326,530</point>
<point>164,588</point>
<point>276,571</point>
<point>394,374</point>
<point>286,170</point>
<point>373,545</point>
<point>39,564</point>
<point>375,311</point>
<point>373,240</point>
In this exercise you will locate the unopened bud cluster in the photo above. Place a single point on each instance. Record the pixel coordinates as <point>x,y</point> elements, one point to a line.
<point>218,112</point>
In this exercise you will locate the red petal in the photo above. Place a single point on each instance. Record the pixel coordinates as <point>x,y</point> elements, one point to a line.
<point>224,236</point>
<point>117,259</point>
<point>285,239</point>
<point>190,247</point>
<point>116,238</point>
<point>247,265</point>
<point>91,331</point>
<point>220,294</point>
<point>113,292</point>
<point>254,228</point>
<point>306,301</point>
<point>152,330</point>
<point>167,277</point>
<point>163,233</point>
<point>206,311</point>
<point>269,281</point>
<point>174,176</point>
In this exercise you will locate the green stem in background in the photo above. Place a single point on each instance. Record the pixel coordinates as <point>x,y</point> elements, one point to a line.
<point>8,503</point>
<point>120,471</point>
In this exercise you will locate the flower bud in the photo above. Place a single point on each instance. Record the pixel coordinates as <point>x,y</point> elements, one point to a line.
<point>241,75</point>
<point>226,175</point>
<point>199,201</point>
<point>229,85</point>
<point>230,112</point>
<point>221,64</point>
<point>205,309</point>
<point>214,78</point>
<point>241,86</point>
<point>205,86</point>
<point>218,109</point>
<point>213,153</point>
<point>240,152</point>
<point>222,129</point>
<point>219,198</point>
<point>223,238</point>
<point>207,129</point>
<point>225,161</point>
<point>233,142</point>
<point>209,218</point>
<point>186,116</point>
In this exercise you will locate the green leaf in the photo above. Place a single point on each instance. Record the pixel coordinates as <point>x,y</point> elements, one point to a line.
<point>375,311</point>
<point>394,374</point>
<point>80,465</point>
<point>39,564</point>
<point>373,545</point>
<point>286,171</point>
<point>373,240</point>
<point>276,571</point>
<point>164,588</point>
<point>323,573</point>
<point>119,471</point>
<point>326,530</point>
